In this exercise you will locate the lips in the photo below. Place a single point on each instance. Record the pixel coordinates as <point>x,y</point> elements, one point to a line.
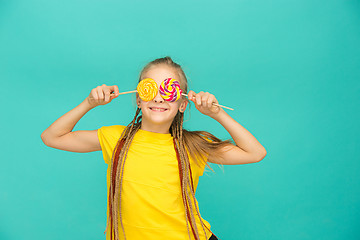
<point>157,109</point>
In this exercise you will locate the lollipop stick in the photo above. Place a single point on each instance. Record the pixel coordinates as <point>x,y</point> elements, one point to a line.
<point>213,103</point>
<point>113,94</point>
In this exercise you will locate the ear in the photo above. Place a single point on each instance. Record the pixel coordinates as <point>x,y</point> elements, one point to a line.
<point>137,100</point>
<point>183,106</point>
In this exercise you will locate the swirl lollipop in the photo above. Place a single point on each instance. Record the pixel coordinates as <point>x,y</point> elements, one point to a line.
<point>147,89</point>
<point>170,90</point>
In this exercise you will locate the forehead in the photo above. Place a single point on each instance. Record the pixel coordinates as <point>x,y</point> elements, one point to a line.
<point>160,72</point>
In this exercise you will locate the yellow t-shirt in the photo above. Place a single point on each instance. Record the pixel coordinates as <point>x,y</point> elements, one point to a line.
<point>151,201</point>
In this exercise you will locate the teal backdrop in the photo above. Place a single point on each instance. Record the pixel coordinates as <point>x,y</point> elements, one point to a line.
<point>290,69</point>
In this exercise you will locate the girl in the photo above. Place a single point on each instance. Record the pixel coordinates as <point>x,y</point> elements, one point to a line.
<point>153,163</point>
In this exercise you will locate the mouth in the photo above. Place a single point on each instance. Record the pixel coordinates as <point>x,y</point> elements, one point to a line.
<point>155,109</point>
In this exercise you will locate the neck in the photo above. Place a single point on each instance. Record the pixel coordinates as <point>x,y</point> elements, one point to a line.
<point>161,128</point>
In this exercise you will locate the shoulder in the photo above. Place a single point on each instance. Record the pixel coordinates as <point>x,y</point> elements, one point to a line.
<point>197,136</point>
<point>111,131</point>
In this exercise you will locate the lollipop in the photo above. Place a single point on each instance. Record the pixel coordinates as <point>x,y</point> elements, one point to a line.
<point>147,89</point>
<point>170,90</point>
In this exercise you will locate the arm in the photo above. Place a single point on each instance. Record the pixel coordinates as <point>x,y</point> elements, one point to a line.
<point>59,134</point>
<point>247,149</point>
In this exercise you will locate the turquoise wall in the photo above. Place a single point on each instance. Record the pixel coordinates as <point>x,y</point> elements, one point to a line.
<point>291,70</point>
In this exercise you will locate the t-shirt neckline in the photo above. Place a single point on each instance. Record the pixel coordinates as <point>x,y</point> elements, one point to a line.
<point>154,135</point>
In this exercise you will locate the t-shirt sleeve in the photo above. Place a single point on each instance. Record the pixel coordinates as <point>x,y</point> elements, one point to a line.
<point>108,137</point>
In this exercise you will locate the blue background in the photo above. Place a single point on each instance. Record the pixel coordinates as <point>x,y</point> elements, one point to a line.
<point>291,70</point>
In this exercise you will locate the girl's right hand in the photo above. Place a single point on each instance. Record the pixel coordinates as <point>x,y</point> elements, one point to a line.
<point>101,95</point>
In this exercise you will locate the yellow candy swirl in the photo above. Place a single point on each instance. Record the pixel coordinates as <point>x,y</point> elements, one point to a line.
<point>147,89</point>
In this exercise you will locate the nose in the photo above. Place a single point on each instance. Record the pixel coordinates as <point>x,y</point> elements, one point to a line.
<point>158,98</point>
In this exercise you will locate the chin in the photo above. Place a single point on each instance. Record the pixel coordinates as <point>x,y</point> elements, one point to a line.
<point>158,118</point>
<point>158,121</point>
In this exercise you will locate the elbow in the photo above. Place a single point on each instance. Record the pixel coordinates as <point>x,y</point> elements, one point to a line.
<point>44,139</point>
<point>262,155</point>
<point>42,136</point>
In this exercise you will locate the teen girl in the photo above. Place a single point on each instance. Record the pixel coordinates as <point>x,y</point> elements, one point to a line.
<point>153,163</point>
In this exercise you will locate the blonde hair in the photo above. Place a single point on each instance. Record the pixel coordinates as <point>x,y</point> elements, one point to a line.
<point>199,144</point>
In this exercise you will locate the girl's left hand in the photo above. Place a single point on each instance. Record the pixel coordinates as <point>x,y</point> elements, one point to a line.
<point>204,103</point>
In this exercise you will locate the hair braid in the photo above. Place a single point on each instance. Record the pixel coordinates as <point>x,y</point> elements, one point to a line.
<point>118,154</point>
<point>185,177</point>
<point>181,164</point>
<point>192,190</point>
<point>182,183</point>
<point>185,173</point>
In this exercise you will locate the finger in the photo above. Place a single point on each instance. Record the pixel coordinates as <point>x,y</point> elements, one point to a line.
<point>205,99</point>
<point>115,89</point>
<point>198,98</point>
<point>107,94</point>
<point>210,100</point>
<point>191,95</point>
